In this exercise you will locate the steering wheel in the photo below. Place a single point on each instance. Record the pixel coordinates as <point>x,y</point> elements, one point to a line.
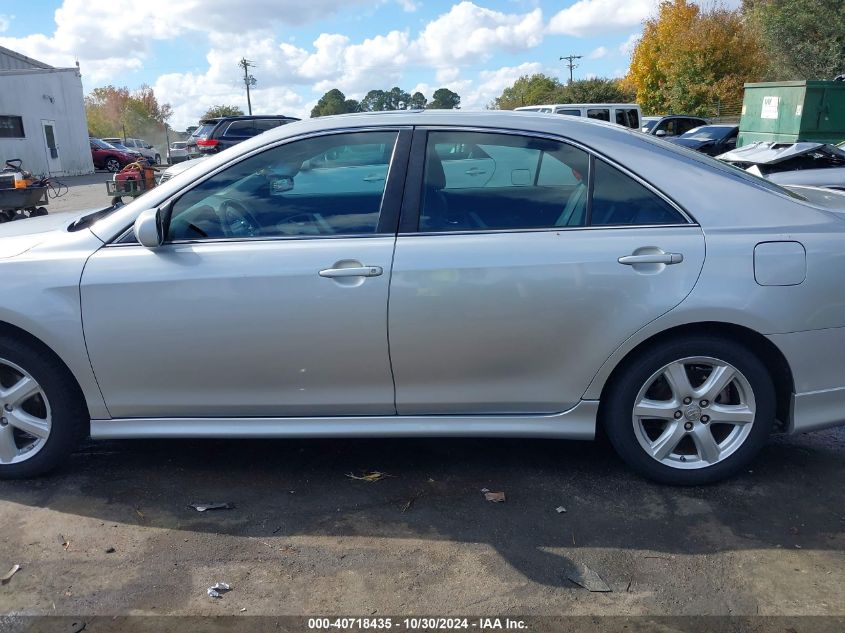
<point>237,221</point>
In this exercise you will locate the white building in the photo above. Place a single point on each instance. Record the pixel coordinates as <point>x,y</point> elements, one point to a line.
<point>42,117</point>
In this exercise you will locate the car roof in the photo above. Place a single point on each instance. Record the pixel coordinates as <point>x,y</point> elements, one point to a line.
<point>247,117</point>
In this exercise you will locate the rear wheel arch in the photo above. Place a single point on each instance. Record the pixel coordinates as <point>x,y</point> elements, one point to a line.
<point>777,366</point>
<point>18,334</point>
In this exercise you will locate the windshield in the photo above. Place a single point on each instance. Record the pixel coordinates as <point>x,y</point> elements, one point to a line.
<point>707,133</point>
<point>203,130</point>
<point>648,124</point>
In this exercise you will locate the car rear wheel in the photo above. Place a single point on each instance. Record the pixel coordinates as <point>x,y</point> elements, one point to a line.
<point>42,416</point>
<point>113,165</point>
<point>690,411</point>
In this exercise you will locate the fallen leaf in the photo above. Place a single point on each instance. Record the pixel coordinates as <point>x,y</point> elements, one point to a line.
<point>8,575</point>
<point>369,476</point>
<point>495,497</point>
<point>585,577</point>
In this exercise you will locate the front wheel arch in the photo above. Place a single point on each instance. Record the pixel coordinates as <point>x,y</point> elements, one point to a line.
<point>13,331</point>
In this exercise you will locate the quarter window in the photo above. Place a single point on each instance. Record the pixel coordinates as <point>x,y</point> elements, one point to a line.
<point>618,199</point>
<point>479,181</point>
<point>627,117</point>
<point>291,191</point>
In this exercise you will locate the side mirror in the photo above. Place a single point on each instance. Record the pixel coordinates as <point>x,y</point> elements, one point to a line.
<point>148,228</point>
<point>660,133</point>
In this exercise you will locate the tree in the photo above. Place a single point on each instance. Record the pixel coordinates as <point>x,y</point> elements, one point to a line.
<point>113,111</point>
<point>689,59</point>
<point>444,99</point>
<point>222,110</point>
<point>529,90</point>
<point>380,100</point>
<point>597,90</point>
<point>334,102</point>
<point>805,39</point>
<point>418,101</point>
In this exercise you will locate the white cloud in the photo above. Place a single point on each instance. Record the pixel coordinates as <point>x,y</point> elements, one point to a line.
<point>592,17</point>
<point>85,29</point>
<point>5,22</point>
<point>627,47</point>
<point>470,33</point>
<point>409,6</point>
<point>598,53</point>
<point>491,83</point>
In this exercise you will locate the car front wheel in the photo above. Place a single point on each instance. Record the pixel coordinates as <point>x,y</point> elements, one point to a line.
<point>42,416</point>
<point>691,411</point>
<point>113,165</point>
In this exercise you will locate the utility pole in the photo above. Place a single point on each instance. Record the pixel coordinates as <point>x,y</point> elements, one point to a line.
<point>571,63</point>
<point>249,80</point>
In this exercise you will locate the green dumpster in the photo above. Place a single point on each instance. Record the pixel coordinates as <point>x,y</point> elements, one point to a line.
<point>790,111</point>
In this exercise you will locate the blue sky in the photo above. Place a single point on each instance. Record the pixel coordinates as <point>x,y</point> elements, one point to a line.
<point>188,49</point>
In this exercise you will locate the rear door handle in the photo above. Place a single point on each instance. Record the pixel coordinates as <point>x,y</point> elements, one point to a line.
<point>373,178</point>
<point>475,171</point>
<point>652,258</point>
<point>360,271</point>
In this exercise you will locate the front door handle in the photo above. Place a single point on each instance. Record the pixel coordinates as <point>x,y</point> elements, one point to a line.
<point>475,171</point>
<point>373,178</point>
<point>358,271</point>
<point>652,258</point>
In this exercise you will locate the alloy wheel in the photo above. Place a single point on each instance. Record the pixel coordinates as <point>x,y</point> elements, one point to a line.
<point>25,416</point>
<point>694,412</point>
<point>113,165</point>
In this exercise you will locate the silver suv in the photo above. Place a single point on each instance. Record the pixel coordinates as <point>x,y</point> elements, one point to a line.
<point>141,146</point>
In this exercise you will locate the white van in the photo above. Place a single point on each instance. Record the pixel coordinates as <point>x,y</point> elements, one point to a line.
<point>627,114</point>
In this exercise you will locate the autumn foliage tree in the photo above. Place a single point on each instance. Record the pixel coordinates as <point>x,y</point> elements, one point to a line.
<point>115,111</point>
<point>689,60</point>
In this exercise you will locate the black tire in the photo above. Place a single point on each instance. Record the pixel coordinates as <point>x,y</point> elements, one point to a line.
<point>617,408</point>
<point>112,165</point>
<point>70,420</point>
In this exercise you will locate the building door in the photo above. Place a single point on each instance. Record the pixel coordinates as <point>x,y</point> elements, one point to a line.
<point>54,162</point>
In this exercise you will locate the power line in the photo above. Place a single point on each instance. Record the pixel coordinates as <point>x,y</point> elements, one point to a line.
<point>249,80</point>
<point>571,63</point>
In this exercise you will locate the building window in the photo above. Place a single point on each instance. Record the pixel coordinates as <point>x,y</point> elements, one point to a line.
<point>11,126</point>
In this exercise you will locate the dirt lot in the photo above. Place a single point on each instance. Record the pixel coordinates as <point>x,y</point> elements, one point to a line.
<point>112,534</point>
<point>304,538</point>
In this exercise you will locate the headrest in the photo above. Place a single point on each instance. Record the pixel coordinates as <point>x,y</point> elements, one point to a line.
<point>435,177</point>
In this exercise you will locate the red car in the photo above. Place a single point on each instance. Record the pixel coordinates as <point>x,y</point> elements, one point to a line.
<point>107,157</point>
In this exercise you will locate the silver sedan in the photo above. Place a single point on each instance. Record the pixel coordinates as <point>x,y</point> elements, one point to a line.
<point>432,274</point>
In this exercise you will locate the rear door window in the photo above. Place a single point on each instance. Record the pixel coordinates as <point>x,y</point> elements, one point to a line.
<point>501,182</point>
<point>601,114</point>
<point>618,199</point>
<point>240,128</point>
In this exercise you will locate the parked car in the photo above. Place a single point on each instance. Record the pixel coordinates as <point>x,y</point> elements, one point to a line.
<point>804,163</point>
<point>672,125</point>
<point>709,139</point>
<point>122,146</point>
<point>178,167</point>
<point>506,317</point>
<point>148,151</point>
<point>215,135</point>
<point>108,157</point>
<point>178,152</point>
<point>625,114</point>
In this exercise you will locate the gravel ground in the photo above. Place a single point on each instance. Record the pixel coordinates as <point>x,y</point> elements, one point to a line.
<point>113,534</point>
